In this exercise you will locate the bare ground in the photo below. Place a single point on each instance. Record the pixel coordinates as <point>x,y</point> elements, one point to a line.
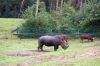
<point>27,53</point>
<point>85,54</point>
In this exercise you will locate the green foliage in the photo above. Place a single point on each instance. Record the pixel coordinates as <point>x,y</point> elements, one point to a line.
<point>89,18</point>
<point>37,22</point>
<point>44,23</point>
<point>29,12</point>
<point>70,21</point>
<point>69,24</point>
<point>38,25</point>
<point>12,8</point>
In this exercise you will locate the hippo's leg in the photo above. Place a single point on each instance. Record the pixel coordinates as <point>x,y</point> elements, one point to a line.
<point>40,47</point>
<point>91,40</point>
<point>56,47</point>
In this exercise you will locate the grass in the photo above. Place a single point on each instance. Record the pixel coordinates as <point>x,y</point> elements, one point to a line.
<point>87,62</point>
<point>7,25</point>
<point>13,45</point>
<point>81,62</point>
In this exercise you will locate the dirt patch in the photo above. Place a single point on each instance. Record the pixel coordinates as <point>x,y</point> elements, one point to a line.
<point>38,60</point>
<point>27,53</point>
<point>94,53</point>
<point>6,65</point>
<point>85,54</point>
<point>96,45</point>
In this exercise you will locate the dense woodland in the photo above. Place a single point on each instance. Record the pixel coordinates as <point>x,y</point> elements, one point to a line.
<point>54,16</point>
<point>14,8</point>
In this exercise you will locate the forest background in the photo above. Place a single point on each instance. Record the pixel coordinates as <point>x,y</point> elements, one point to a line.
<point>73,17</point>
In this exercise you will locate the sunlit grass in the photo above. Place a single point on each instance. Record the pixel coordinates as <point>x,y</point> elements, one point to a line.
<point>80,62</point>
<point>9,23</point>
<point>94,61</point>
<point>14,45</point>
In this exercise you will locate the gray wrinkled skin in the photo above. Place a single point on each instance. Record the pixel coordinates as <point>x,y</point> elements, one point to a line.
<point>55,41</point>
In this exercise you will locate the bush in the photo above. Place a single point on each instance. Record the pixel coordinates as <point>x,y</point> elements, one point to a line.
<point>69,22</point>
<point>40,24</point>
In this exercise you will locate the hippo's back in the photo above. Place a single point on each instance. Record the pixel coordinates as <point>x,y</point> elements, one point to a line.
<point>48,40</point>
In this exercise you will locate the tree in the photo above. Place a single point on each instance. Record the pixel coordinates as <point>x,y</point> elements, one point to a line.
<point>1,7</point>
<point>61,5</point>
<point>21,6</point>
<point>14,8</point>
<point>37,7</point>
<point>57,2</point>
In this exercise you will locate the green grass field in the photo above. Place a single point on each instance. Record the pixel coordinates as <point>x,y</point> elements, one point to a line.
<point>7,25</point>
<point>15,45</point>
<point>16,52</point>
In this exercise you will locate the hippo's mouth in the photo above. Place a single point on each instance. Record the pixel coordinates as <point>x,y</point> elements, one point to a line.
<point>65,45</point>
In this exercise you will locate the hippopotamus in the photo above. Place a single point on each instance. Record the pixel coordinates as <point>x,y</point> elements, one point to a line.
<point>56,41</point>
<point>87,37</point>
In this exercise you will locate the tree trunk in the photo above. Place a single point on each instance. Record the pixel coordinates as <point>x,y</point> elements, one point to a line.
<point>37,7</point>
<point>0,8</point>
<point>81,4</point>
<point>21,6</point>
<point>70,1</point>
<point>14,11</point>
<point>50,6</point>
<point>61,5</point>
<point>57,1</point>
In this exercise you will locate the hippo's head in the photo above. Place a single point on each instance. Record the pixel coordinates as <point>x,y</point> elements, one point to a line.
<point>64,45</point>
<point>64,41</point>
